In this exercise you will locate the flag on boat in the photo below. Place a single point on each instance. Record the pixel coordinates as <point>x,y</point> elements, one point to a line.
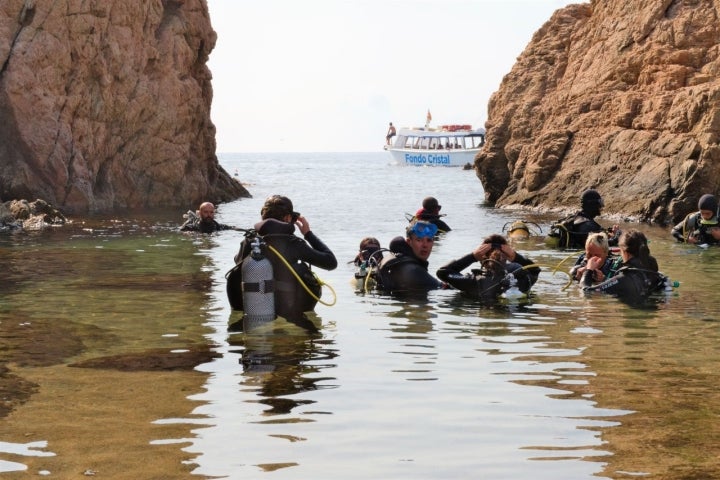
<point>428,119</point>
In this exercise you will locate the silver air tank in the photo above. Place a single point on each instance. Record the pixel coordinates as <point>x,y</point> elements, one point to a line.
<point>258,287</point>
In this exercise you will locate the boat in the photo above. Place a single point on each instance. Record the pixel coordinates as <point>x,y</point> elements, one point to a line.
<point>447,145</point>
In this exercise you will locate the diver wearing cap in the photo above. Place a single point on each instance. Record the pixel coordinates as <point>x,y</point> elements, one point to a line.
<point>501,267</point>
<point>700,227</point>
<point>277,229</point>
<point>430,212</point>
<point>406,270</point>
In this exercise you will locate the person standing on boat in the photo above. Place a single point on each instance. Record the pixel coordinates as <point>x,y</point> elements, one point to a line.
<point>277,229</point>
<point>430,212</point>
<point>405,271</point>
<point>501,267</point>
<point>203,220</point>
<point>390,134</point>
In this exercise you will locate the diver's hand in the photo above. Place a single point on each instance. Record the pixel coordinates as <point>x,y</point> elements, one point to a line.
<point>303,225</point>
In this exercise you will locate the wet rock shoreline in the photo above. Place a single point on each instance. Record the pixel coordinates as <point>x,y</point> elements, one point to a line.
<point>16,215</point>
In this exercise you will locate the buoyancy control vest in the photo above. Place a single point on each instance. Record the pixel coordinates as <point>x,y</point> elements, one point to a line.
<point>290,298</point>
<point>401,273</point>
<point>571,231</point>
<point>694,225</point>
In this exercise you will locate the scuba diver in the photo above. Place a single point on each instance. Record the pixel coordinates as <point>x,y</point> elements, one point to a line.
<point>430,212</point>
<point>501,268</point>
<point>598,258</point>
<point>572,231</point>
<point>701,227</point>
<point>285,251</point>
<point>405,270</point>
<point>367,252</point>
<point>637,276</point>
<point>367,261</point>
<point>203,220</point>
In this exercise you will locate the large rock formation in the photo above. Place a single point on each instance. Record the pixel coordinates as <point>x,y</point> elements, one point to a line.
<point>622,96</point>
<point>106,105</point>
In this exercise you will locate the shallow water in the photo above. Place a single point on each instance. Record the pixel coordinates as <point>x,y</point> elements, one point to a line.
<point>116,356</point>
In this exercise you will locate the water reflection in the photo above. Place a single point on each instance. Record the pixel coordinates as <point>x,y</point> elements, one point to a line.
<point>558,385</point>
<point>412,324</point>
<point>280,364</point>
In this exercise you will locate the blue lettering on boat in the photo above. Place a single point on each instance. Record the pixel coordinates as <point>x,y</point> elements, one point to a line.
<point>415,159</point>
<point>439,159</point>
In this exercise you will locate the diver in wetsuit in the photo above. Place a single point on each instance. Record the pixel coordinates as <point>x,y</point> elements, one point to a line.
<point>405,271</point>
<point>700,227</point>
<point>574,230</point>
<point>277,230</point>
<point>203,221</point>
<point>501,268</point>
<point>638,274</point>
<point>597,257</point>
<point>430,212</point>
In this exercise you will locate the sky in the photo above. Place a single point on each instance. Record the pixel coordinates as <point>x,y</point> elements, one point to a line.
<point>329,75</point>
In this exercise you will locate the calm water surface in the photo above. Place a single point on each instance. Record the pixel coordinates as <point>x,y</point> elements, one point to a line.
<point>554,386</point>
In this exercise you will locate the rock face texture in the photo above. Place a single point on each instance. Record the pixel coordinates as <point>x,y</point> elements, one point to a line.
<point>106,105</point>
<point>620,96</point>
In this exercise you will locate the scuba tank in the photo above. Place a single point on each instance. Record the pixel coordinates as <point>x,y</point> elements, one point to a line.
<point>258,286</point>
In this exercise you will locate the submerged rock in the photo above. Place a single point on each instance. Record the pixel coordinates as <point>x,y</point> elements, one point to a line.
<point>613,95</point>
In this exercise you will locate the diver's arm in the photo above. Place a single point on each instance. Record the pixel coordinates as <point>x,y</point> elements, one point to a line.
<point>317,253</point>
<point>452,273</point>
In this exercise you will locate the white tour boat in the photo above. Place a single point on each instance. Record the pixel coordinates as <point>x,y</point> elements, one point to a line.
<point>447,146</point>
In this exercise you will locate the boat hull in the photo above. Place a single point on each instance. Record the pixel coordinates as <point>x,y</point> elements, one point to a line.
<point>450,146</point>
<point>433,158</point>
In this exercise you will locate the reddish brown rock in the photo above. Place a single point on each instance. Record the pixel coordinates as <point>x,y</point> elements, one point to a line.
<point>621,96</point>
<point>106,105</point>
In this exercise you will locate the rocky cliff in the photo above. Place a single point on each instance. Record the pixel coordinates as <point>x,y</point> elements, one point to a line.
<point>106,104</point>
<point>621,96</point>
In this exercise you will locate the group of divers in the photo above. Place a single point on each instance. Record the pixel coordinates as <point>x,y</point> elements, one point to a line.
<point>273,273</point>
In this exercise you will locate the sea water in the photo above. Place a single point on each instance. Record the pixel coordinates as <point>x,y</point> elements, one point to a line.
<point>555,385</point>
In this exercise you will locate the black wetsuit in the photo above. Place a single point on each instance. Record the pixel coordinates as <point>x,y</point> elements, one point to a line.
<point>488,284</point>
<point>634,281</point>
<point>434,219</point>
<point>196,225</point>
<point>579,226</point>
<point>582,226</point>
<point>403,272</point>
<point>291,299</point>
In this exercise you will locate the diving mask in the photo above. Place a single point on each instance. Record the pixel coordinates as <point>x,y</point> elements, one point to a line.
<point>423,230</point>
